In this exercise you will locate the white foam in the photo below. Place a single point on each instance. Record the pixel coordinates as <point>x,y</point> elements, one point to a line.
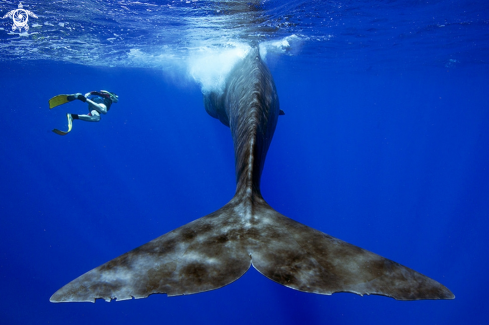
<point>210,66</point>
<point>287,45</point>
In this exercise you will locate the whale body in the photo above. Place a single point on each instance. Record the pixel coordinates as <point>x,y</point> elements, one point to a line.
<point>217,249</point>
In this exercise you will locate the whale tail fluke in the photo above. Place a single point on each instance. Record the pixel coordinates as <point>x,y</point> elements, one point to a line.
<point>219,248</point>
<point>190,259</point>
<point>309,260</point>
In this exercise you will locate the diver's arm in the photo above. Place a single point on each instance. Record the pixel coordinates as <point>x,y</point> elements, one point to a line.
<point>100,107</point>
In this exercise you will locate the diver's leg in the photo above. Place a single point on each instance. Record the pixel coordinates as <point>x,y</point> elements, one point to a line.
<point>93,116</point>
<point>79,96</point>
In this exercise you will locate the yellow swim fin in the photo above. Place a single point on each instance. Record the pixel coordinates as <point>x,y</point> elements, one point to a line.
<point>70,125</point>
<point>60,100</point>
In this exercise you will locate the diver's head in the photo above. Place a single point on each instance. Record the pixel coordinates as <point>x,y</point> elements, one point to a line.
<point>112,96</point>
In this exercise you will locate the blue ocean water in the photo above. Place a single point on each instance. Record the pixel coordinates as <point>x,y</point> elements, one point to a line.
<point>384,145</point>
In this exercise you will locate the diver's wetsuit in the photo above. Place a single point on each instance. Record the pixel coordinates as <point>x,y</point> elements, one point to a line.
<point>99,102</point>
<point>96,105</point>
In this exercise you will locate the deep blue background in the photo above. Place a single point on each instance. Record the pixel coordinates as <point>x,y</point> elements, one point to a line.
<point>392,160</point>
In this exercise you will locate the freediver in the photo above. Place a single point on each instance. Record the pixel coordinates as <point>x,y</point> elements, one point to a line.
<point>99,102</point>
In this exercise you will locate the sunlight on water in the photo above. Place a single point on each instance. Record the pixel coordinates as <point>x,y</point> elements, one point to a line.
<point>106,33</point>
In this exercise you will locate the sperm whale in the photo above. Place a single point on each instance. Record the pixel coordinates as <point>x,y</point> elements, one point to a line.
<point>219,248</point>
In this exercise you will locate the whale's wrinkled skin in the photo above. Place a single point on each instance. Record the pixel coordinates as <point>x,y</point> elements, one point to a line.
<point>217,249</point>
